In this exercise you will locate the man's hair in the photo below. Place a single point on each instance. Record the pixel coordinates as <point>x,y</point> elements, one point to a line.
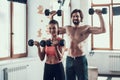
<point>54,22</point>
<point>79,11</point>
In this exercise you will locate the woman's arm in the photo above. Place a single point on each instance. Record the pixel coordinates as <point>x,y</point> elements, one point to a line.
<point>58,49</point>
<point>59,53</point>
<point>41,51</point>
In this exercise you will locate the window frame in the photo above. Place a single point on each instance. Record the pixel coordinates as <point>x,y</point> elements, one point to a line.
<point>110,26</point>
<point>18,55</point>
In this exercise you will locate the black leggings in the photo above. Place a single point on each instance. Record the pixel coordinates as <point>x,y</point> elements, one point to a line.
<point>54,72</point>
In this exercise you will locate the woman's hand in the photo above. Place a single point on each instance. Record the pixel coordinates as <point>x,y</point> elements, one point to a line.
<point>36,43</point>
<point>55,43</point>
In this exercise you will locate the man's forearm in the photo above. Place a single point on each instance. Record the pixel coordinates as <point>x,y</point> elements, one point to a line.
<point>102,24</point>
<point>62,30</point>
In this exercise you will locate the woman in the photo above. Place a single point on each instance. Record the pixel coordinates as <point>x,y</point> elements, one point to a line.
<point>53,69</point>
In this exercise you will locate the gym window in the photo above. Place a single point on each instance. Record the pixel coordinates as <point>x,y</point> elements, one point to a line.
<point>13,28</point>
<point>109,40</point>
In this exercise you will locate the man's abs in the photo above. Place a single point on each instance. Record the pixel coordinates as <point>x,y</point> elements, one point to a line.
<point>75,52</point>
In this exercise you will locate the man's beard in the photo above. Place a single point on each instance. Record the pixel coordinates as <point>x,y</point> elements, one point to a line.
<point>76,22</point>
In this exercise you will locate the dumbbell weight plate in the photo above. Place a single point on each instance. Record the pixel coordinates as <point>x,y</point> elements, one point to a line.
<point>91,11</point>
<point>42,43</point>
<point>47,12</point>
<point>104,10</point>
<point>31,42</point>
<point>48,42</point>
<point>62,42</point>
<point>59,12</point>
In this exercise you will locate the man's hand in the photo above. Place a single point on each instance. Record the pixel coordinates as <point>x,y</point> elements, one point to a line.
<point>52,13</point>
<point>98,11</point>
<point>62,30</point>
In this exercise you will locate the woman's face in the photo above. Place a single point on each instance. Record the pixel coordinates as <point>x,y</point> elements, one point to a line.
<point>53,29</point>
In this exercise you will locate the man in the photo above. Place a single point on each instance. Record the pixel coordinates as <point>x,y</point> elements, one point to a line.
<point>76,62</point>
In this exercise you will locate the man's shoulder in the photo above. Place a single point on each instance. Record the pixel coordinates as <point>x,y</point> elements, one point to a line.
<point>67,26</point>
<point>85,25</point>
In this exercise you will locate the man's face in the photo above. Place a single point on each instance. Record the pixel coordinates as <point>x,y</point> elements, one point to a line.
<point>76,18</point>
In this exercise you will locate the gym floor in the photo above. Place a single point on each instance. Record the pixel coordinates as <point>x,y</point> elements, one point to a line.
<point>105,78</point>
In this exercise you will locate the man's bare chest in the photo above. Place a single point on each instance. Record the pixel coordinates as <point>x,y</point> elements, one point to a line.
<point>78,35</point>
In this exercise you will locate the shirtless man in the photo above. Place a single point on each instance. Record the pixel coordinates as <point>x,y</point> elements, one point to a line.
<point>76,62</point>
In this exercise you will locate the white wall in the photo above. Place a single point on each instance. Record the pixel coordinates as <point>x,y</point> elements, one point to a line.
<point>36,21</point>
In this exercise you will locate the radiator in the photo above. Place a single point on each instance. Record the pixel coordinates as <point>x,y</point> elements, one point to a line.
<point>15,73</point>
<point>114,62</point>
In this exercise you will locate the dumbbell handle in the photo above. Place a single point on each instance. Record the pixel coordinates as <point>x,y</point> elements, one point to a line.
<point>103,11</point>
<point>47,12</point>
<point>31,43</point>
<point>60,42</point>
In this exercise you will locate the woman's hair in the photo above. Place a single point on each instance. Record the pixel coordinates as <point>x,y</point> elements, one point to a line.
<point>79,11</point>
<point>54,22</point>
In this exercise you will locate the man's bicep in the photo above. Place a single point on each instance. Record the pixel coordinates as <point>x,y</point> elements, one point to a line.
<point>94,30</point>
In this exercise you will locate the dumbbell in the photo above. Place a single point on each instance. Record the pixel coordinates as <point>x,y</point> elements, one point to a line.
<point>59,12</point>
<point>47,12</point>
<point>31,42</point>
<point>91,11</point>
<point>61,42</point>
<point>59,1</point>
<point>42,43</point>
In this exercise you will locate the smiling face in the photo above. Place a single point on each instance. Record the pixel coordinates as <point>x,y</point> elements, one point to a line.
<point>76,18</point>
<point>53,28</point>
